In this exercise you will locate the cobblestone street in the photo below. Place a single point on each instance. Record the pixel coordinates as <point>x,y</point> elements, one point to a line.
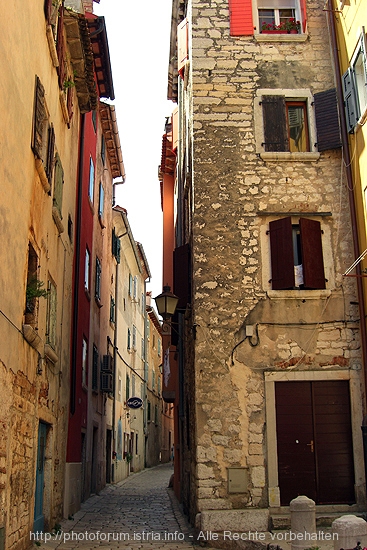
<point>139,512</point>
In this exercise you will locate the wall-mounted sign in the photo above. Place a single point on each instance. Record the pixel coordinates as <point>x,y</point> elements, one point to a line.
<point>134,402</point>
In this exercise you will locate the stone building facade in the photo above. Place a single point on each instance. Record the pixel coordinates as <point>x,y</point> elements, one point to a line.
<point>271,341</point>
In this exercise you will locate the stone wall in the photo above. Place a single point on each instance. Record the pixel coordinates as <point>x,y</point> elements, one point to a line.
<point>232,186</point>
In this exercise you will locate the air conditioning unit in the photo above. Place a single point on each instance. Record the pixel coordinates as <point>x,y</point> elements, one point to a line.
<point>107,364</point>
<point>106,382</point>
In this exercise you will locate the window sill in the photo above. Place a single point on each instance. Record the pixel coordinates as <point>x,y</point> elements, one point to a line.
<point>42,175</point>
<point>64,108</point>
<point>289,157</point>
<point>299,294</point>
<point>51,354</point>
<point>277,37</point>
<point>57,219</point>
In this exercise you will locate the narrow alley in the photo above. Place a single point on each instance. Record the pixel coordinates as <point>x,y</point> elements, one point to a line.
<point>138,512</point>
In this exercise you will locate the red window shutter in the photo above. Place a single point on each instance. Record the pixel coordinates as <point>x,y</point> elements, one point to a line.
<point>182,46</point>
<point>281,250</point>
<point>240,18</point>
<point>312,258</point>
<point>174,129</point>
<point>304,15</point>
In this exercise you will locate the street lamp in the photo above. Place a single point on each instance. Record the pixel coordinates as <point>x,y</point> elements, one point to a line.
<point>166,303</point>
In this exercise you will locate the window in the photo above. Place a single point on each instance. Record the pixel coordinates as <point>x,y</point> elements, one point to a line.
<point>127,387</point>
<point>134,337</point>
<point>128,339</point>
<point>153,380</point>
<point>285,125</point>
<point>112,310</point>
<point>103,150</point>
<point>135,290</point>
<point>101,201</point>
<point>149,414</point>
<point>51,315</point>
<point>98,280</point>
<point>130,284</point>
<point>274,12</point>
<point>296,254</point>
<point>159,347</point>
<point>94,120</point>
<point>159,385</point>
<point>87,270</point>
<point>95,368</point>
<point>91,179</point>
<point>355,85</point>
<point>142,349</point>
<point>156,414</point>
<point>116,246</point>
<point>43,135</point>
<point>84,362</point>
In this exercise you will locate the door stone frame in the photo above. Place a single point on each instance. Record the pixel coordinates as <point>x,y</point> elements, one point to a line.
<point>355,385</point>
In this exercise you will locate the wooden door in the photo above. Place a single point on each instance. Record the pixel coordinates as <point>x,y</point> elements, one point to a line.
<point>314,439</point>
<point>39,519</point>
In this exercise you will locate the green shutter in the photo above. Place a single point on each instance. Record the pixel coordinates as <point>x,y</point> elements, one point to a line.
<point>58,185</point>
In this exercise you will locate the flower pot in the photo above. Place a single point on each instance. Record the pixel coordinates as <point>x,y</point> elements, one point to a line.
<point>293,31</point>
<point>274,32</point>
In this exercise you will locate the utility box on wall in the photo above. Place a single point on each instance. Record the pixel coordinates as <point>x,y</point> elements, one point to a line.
<point>237,480</point>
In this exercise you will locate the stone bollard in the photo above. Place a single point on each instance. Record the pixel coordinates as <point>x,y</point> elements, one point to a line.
<point>303,522</point>
<point>350,530</point>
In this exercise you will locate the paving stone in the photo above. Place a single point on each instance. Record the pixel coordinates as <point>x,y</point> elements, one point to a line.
<point>139,512</point>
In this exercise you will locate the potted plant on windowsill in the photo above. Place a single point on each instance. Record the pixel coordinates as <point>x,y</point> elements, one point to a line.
<point>293,26</point>
<point>290,26</point>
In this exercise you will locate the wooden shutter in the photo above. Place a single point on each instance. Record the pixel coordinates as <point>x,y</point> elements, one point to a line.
<point>47,6</point>
<point>60,47</point>
<point>350,100</point>
<point>275,128</point>
<point>182,275</point>
<point>58,186</point>
<point>39,116</point>
<point>50,153</point>
<point>303,15</point>
<point>182,46</point>
<point>281,250</point>
<point>240,18</point>
<point>327,120</point>
<point>312,258</point>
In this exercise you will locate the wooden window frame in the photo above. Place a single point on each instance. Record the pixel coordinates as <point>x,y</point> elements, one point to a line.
<point>282,254</point>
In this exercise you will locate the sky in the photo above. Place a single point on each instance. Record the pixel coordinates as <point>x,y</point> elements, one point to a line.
<point>139,37</point>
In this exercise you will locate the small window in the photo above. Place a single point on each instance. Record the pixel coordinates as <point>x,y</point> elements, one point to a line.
<point>134,337</point>
<point>128,339</point>
<point>127,387</point>
<point>130,285</point>
<point>103,150</point>
<point>98,279</point>
<point>91,180</point>
<point>285,125</point>
<point>101,201</point>
<point>112,310</point>
<point>296,254</point>
<point>354,83</point>
<point>159,347</point>
<point>87,270</point>
<point>116,246</point>
<point>149,414</point>
<point>95,368</point>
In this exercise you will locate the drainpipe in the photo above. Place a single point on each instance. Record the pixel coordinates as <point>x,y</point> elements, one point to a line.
<point>350,185</point>
<point>77,269</point>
